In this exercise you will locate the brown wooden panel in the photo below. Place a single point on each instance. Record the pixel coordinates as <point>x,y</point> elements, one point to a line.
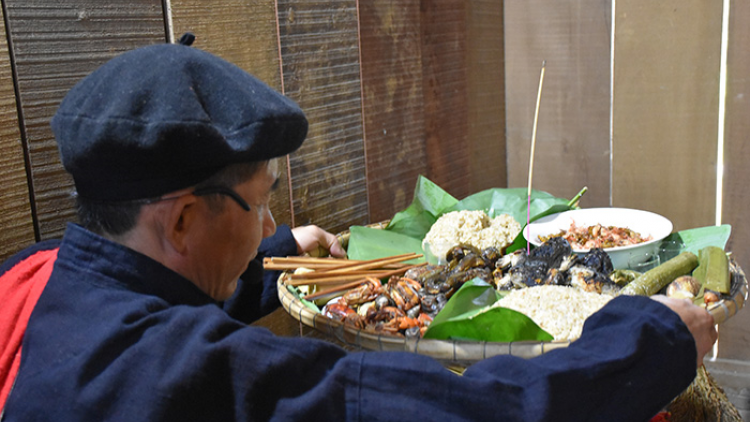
<point>485,74</point>
<point>320,57</point>
<point>666,88</point>
<point>15,206</point>
<point>244,33</point>
<point>735,334</point>
<point>55,45</point>
<point>392,103</point>
<point>572,143</point>
<point>444,31</point>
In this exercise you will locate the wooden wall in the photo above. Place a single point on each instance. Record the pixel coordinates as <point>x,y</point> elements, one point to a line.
<point>443,88</point>
<point>736,173</point>
<point>573,140</point>
<point>634,117</point>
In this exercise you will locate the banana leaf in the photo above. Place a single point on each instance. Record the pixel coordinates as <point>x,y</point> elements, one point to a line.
<point>469,315</point>
<point>407,228</point>
<point>698,238</point>
<point>368,243</point>
<point>428,205</point>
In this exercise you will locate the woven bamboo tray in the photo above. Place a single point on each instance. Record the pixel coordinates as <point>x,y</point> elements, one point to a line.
<point>464,352</point>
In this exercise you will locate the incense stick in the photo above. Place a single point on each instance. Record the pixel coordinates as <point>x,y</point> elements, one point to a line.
<point>531,155</point>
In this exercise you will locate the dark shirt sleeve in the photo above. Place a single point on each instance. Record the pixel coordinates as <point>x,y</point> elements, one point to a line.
<point>256,293</point>
<point>633,358</point>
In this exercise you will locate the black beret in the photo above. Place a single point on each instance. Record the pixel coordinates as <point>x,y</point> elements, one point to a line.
<point>166,117</point>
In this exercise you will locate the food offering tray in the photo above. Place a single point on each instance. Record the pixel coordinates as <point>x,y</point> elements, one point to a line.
<point>461,352</point>
<point>444,350</point>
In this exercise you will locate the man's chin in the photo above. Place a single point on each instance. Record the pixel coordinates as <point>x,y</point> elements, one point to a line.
<point>228,292</point>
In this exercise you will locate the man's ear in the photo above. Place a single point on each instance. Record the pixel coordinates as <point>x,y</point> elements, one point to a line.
<point>180,219</point>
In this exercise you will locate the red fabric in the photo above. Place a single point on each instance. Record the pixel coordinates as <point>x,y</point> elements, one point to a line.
<point>20,288</point>
<point>662,417</point>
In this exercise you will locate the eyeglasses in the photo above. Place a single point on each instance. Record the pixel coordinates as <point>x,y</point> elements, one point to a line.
<point>223,190</point>
<point>209,190</point>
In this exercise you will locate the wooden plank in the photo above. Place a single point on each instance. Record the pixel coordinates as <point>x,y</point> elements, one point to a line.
<point>443,27</point>
<point>320,57</point>
<point>55,45</point>
<point>735,333</point>
<point>667,57</point>
<point>15,207</point>
<point>486,96</point>
<point>572,144</point>
<point>244,33</point>
<point>392,104</point>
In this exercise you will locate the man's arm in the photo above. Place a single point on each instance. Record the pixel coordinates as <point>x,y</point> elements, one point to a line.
<point>256,293</point>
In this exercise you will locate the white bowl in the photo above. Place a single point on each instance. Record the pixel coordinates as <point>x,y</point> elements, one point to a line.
<point>644,222</point>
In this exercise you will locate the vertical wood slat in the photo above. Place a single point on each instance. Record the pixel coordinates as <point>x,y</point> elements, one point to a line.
<point>443,27</point>
<point>572,142</point>
<point>392,103</point>
<point>55,45</point>
<point>320,57</point>
<point>667,57</point>
<point>15,207</point>
<point>244,33</point>
<point>486,96</point>
<point>734,335</point>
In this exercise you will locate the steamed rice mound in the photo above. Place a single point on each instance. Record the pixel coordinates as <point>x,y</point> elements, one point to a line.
<point>558,310</point>
<point>471,228</point>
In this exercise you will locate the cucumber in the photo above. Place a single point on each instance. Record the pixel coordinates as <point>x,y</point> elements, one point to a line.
<point>653,280</point>
<point>713,270</point>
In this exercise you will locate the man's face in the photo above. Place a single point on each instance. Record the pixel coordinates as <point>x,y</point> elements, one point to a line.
<point>225,242</point>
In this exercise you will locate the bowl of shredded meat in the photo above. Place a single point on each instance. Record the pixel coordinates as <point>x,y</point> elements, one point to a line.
<point>621,232</point>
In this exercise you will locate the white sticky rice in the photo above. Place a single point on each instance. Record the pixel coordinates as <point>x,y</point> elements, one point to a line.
<point>470,228</point>
<point>558,310</point>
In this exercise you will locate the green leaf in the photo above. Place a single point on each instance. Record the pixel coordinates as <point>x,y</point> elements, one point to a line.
<point>428,204</point>
<point>520,241</point>
<point>496,324</point>
<point>698,238</point>
<point>295,291</point>
<point>508,201</point>
<point>469,315</point>
<point>368,243</point>
<point>471,297</point>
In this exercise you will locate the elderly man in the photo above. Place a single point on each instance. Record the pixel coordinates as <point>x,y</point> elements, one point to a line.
<point>143,318</point>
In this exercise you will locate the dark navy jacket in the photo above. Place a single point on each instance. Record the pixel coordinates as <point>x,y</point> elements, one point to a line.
<point>116,336</point>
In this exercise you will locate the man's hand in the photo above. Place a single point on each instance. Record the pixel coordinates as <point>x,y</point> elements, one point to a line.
<point>698,320</point>
<point>312,238</point>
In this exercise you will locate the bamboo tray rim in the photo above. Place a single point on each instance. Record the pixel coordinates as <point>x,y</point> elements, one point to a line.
<point>463,352</point>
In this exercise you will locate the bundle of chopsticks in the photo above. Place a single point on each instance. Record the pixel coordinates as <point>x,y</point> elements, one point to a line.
<point>338,275</point>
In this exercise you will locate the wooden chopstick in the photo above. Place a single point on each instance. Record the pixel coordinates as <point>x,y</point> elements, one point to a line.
<point>340,274</point>
<point>373,263</point>
<point>337,289</point>
<point>325,274</point>
<point>361,279</point>
<point>292,263</point>
<point>335,279</point>
<point>338,279</point>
